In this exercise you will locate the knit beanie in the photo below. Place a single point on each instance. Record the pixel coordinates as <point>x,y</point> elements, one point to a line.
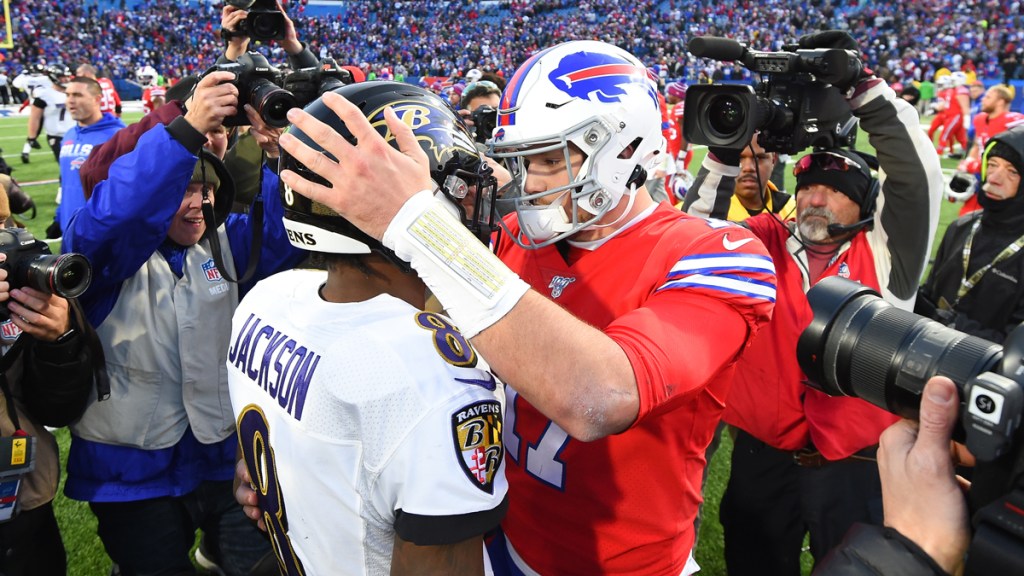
<point>854,182</point>
<point>210,178</point>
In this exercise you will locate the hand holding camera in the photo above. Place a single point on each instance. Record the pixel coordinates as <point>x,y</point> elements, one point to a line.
<point>34,284</point>
<point>837,39</point>
<point>921,498</point>
<point>214,99</point>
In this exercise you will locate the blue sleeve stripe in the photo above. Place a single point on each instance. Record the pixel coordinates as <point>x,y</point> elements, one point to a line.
<point>731,285</point>
<point>709,262</point>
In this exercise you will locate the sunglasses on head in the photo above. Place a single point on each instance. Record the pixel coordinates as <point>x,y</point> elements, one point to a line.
<point>486,84</point>
<point>825,161</point>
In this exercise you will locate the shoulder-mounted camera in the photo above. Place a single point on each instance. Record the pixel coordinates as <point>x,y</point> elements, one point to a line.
<point>794,106</point>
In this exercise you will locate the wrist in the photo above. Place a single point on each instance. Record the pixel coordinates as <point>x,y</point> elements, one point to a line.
<point>475,287</point>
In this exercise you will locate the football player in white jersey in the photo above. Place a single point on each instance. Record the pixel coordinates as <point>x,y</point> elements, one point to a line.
<point>369,427</point>
<point>48,113</point>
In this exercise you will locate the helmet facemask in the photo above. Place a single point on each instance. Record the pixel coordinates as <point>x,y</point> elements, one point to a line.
<point>596,97</point>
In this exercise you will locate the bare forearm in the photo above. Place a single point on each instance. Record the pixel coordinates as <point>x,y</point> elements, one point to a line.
<point>463,559</point>
<point>573,373</point>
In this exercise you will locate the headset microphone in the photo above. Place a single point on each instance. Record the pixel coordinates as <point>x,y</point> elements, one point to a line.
<point>840,229</point>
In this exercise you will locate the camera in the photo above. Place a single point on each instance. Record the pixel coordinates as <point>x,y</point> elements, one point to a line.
<point>258,85</point>
<point>795,105</point>
<point>264,21</point>
<point>485,120</point>
<point>30,263</point>
<point>308,84</point>
<point>859,345</point>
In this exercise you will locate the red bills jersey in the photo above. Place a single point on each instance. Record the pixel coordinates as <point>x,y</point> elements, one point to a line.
<point>675,133</point>
<point>985,127</point>
<point>150,94</point>
<point>110,100</point>
<point>680,295</point>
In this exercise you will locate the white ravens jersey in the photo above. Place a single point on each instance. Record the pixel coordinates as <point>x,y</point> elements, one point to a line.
<point>29,83</point>
<point>56,119</point>
<point>359,421</point>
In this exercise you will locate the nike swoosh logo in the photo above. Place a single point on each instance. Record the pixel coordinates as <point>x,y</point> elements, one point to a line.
<point>730,245</point>
<point>489,384</point>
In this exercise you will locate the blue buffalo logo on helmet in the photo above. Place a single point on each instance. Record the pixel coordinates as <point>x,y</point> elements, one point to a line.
<point>425,120</point>
<point>604,77</point>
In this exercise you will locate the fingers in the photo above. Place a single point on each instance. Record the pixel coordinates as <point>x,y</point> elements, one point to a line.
<point>939,406</point>
<point>407,142</point>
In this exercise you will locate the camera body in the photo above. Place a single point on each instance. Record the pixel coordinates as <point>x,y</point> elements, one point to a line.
<point>485,120</point>
<point>859,345</point>
<point>30,263</point>
<point>258,85</point>
<point>795,105</point>
<point>264,21</point>
<point>308,84</point>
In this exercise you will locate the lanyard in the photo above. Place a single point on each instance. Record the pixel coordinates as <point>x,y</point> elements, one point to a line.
<point>967,283</point>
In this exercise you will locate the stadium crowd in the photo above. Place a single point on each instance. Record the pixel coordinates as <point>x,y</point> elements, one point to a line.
<point>187,393</point>
<point>441,38</point>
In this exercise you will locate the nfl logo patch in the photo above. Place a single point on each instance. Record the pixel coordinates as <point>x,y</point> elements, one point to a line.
<point>9,330</point>
<point>212,274</point>
<point>844,270</point>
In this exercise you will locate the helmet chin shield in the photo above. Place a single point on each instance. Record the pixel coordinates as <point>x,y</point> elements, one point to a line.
<point>596,97</point>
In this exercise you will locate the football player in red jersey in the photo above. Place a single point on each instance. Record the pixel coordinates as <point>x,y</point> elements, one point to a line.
<point>995,117</point>
<point>582,315</point>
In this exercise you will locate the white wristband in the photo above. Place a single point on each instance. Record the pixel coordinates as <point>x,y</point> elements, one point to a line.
<point>474,286</point>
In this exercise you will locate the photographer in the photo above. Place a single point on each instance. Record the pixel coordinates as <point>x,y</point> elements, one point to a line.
<point>46,376</point>
<point>803,461</point>
<point>926,525</point>
<point>155,461</point>
<point>975,283</point>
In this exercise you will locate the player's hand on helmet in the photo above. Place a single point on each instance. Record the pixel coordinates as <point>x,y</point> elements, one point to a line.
<point>214,99</point>
<point>246,496</point>
<point>34,143</point>
<point>266,136</point>
<point>371,180</point>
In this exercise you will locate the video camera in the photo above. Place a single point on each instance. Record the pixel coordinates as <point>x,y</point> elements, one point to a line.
<point>264,21</point>
<point>260,85</point>
<point>30,263</point>
<point>859,345</point>
<point>794,106</point>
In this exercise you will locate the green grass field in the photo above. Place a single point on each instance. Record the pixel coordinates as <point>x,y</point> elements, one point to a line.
<point>86,556</point>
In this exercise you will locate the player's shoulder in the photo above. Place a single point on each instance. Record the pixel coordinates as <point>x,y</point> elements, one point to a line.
<point>689,234</point>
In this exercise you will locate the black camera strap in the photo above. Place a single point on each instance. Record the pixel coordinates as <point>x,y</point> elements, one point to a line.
<point>255,218</point>
<point>5,363</point>
<point>966,284</point>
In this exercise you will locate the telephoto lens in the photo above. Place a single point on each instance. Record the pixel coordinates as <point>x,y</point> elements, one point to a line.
<point>862,346</point>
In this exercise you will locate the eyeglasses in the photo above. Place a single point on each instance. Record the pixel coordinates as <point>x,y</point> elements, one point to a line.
<point>825,161</point>
<point>485,86</point>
